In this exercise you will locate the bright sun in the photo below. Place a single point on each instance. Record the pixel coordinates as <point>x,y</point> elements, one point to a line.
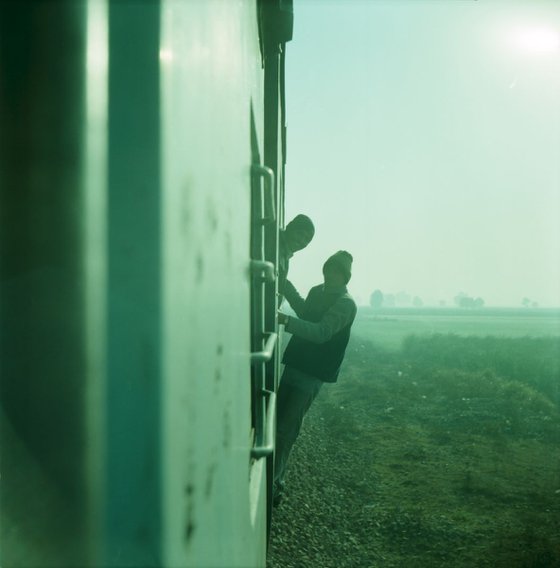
<point>538,40</point>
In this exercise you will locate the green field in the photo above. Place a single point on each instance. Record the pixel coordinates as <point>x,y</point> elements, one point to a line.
<point>439,446</point>
<point>388,328</point>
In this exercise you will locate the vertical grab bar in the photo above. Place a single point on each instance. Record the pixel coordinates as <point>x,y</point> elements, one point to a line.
<point>266,272</point>
<point>269,192</point>
<point>268,447</point>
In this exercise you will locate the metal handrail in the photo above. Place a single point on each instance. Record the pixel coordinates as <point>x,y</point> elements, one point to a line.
<point>266,354</point>
<point>270,195</point>
<point>268,447</point>
<point>264,267</point>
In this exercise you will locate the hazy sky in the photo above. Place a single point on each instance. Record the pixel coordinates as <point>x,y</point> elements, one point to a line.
<point>424,138</point>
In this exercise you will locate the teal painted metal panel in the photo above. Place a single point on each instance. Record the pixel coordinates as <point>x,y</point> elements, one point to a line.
<point>138,267</point>
<point>214,494</point>
<point>42,343</point>
<point>133,500</point>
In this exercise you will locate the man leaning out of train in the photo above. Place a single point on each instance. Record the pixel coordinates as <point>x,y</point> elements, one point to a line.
<point>295,237</point>
<point>314,354</point>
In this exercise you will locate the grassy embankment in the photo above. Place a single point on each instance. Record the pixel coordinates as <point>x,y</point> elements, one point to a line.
<point>450,448</point>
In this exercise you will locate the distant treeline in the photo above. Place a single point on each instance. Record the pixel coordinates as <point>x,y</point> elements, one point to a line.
<point>454,311</point>
<point>379,299</point>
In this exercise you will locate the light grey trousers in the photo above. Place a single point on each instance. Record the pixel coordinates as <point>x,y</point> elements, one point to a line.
<point>296,392</point>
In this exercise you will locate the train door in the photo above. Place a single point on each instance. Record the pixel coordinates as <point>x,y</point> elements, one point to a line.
<point>276,29</point>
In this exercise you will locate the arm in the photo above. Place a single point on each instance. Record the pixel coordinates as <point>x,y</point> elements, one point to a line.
<point>294,299</point>
<point>338,316</point>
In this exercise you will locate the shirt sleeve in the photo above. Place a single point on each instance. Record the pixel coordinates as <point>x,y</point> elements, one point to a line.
<point>337,317</point>
<point>294,299</point>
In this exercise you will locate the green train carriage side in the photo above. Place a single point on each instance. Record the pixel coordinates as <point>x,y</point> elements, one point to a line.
<point>142,151</point>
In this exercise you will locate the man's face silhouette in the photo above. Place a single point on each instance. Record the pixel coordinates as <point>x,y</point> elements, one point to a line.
<point>298,239</point>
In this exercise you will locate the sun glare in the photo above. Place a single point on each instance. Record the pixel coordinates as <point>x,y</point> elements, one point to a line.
<point>538,40</point>
<point>166,55</point>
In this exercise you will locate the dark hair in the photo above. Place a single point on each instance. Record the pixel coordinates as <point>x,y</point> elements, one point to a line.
<point>342,262</point>
<point>301,222</point>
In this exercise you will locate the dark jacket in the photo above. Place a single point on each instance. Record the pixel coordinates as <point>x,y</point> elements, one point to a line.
<point>321,333</point>
<point>284,255</point>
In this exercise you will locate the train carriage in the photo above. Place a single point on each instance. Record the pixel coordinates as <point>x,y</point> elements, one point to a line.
<point>142,187</point>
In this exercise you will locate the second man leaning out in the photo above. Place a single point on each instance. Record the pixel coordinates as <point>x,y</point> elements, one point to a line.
<point>315,352</point>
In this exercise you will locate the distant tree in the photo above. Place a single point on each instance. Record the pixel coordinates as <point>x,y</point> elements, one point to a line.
<point>403,299</point>
<point>534,304</point>
<point>526,302</point>
<point>389,300</point>
<point>463,300</point>
<point>376,299</point>
<point>417,302</point>
<point>442,303</point>
<point>458,298</point>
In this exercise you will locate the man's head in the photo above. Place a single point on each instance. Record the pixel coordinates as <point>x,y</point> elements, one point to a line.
<point>299,232</point>
<point>337,270</point>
